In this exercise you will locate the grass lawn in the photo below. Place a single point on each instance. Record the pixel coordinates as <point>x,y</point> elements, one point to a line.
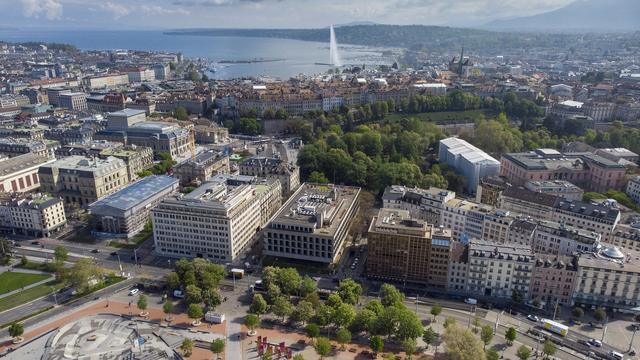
<point>10,281</point>
<point>29,295</point>
<point>445,117</point>
<point>134,242</point>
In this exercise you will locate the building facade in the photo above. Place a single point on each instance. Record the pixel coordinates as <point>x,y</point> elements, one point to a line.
<point>288,174</point>
<point>20,173</point>
<point>38,215</point>
<point>553,280</point>
<point>468,161</point>
<point>202,168</point>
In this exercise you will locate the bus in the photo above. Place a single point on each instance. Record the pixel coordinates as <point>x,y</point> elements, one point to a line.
<point>555,327</point>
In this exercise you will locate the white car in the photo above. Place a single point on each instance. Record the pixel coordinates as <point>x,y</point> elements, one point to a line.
<point>133,292</point>
<point>595,342</point>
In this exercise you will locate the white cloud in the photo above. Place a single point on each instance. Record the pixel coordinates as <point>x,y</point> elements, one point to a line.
<point>50,9</point>
<point>117,10</point>
<point>159,10</point>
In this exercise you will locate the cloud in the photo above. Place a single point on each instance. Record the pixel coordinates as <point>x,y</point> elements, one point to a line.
<point>159,10</point>
<point>50,9</point>
<point>211,3</point>
<point>118,10</point>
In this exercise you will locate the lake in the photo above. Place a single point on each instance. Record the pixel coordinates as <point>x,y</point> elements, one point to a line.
<point>295,57</point>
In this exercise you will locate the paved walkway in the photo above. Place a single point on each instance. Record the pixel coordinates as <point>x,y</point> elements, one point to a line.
<point>234,342</point>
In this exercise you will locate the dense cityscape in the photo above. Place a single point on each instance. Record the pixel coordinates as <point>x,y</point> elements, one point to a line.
<point>446,194</point>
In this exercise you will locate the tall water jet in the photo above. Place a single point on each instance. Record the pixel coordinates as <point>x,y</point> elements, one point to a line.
<point>334,56</point>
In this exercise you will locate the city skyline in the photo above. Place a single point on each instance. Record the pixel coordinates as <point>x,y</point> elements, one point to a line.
<point>146,14</point>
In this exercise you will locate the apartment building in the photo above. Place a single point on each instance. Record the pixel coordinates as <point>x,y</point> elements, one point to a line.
<point>490,188</point>
<point>498,270</point>
<point>81,181</point>
<point>624,236</point>
<point>633,189</point>
<point>218,221</point>
<point>407,250</point>
<point>287,173</point>
<point>20,173</point>
<point>106,81</point>
<point>601,217</point>
<point>559,239</point>
<point>588,171</point>
<point>609,277</point>
<point>126,212</point>
<point>468,161</point>
<point>18,146</point>
<point>38,215</point>
<point>423,204</point>
<point>202,167</point>
<point>458,268</point>
<point>522,231</point>
<point>313,224</point>
<point>536,205</point>
<point>553,280</point>
<point>76,101</point>
<point>468,220</point>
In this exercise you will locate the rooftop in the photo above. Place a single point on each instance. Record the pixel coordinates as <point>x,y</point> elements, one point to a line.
<point>82,163</point>
<point>398,221</point>
<point>604,210</point>
<point>611,258</point>
<point>516,252</point>
<point>546,159</point>
<point>21,162</point>
<point>137,192</point>
<point>126,112</point>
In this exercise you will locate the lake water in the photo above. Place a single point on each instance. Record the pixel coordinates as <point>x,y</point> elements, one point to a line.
<point>297,56</point>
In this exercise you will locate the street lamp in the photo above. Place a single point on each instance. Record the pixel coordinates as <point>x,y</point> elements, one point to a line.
<point>55,299</point>
<point>632,337</point>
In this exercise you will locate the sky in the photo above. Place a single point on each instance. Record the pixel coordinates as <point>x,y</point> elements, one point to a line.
<point>170,14</point>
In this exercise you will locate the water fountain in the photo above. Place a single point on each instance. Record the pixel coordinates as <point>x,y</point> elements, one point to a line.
<point>334,56</point>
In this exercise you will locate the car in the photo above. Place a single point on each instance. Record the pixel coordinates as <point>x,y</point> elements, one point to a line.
<point>35,242</point>
<point>133,291</point>
<point>595,342</point>
<point>17,245</point>
<point>635,327</point>
<point>115,253</point>
<point>584,342</point>
<point>95,251</point>
<point>533,318</point>
<point>471,301</point>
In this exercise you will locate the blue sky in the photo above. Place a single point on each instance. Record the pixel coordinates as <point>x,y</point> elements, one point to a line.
<point>163,14</point>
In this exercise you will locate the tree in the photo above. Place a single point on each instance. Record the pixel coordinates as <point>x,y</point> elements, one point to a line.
<point>217,346</point>
<point>344,315</point>
<point>307,286</point>
<point>142,302</point>
<point>60,255</point>
<point>83,275</point>
<point>461,344</point>
<point>511,335</point>
<point>600,315</point>
<point>317,177</point>
<point>251,321</point>
<point>376,344</point>
<point>211,298</point>
<point>193,295</point>
<point>194,311</point>
<point>429,336</point>
<point>486,334</point>
<point>303,312</point>
<point>523,353</point>
<point>167,308</point>
<point>375,306</point>
<point>476,323</point>
<point>313,331</point>
<point>409,346</point>
<point>408,325</point>
<point>390,296</point>
<point>258,305</point>
<point>492,354</point>
<point>364,321</point>
<point>288,280</point>
<point>436,309</point>
<point>187,347</point>
<point>350,291</point>
<point>448,321</point>
<point>16,330</point>
<point>181,113</point>
<point>343,336</point>
<point>281,307</point>
<point>172,280</point>
<point>549,348</point>
<point>323,347</point>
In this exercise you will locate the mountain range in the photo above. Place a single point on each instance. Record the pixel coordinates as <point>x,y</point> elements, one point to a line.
<point>578,16</point>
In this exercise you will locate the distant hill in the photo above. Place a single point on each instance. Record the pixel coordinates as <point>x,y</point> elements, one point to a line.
<point>579,16</point>
<point>433,38</point>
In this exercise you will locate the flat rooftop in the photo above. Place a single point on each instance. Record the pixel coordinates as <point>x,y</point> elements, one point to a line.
<point>399,222</point>
<point>611,258</point>
<point>126,112</point>
<point>137,192</point>
<point>21,162</point>
<point>314,204</point>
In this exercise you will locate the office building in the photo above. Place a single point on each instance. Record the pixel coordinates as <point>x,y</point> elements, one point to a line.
<point>471,220</point>
<point>288,174</point>
<point>123,119</point>
<point>218,221</point>
<point>137,158</point>
<point>76,101</point>
<point>126,212</point>
<point>313,224</point>
<point>202,167</point>
<point>20,173</point>
<point>468,161</point>
<point>560,188</point>
<point>106,81</point>
<point>407,250</point>
<point>81,181</point>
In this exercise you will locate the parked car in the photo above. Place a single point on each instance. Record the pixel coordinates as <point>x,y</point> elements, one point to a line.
<point>133,291</point>
<point>95,251</point>
<point>115,253</point>
<point>35,242</point>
